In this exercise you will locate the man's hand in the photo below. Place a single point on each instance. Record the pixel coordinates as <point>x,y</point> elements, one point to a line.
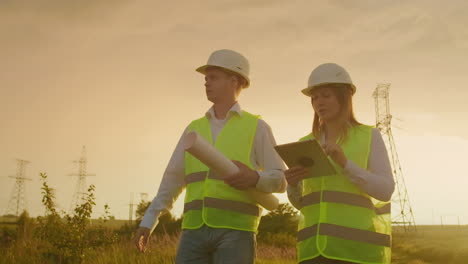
<point>246,178</point>
<point>295,174</point>
<point>141,238</point>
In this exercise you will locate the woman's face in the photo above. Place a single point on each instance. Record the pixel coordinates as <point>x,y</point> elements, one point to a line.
<point>325,103</point>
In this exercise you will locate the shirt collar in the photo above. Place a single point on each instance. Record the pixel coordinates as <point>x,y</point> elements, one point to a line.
<point>235,109</point>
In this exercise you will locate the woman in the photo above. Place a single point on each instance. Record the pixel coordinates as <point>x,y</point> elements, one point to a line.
<point>345,217</point>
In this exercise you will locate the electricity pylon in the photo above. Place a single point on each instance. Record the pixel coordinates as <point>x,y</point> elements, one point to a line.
<point>402,213</point>
<point>17,203</point>
<point>81,187</point>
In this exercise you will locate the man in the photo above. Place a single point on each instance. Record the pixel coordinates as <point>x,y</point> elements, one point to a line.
<point>220,220</point>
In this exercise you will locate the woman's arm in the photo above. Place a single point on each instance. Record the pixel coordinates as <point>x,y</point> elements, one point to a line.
<point>378,180</point>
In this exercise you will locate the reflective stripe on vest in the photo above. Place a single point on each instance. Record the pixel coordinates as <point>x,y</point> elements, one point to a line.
<point>244,208</point>
<point>208,199</point>
<point>200,176</point>
<point>339,221</point>
<point>345,233</point>
<point>195,177</point>
<point>343,198</point>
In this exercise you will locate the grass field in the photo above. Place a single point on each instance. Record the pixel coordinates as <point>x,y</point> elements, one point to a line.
<point>161,250</point>
<point>429,245</point>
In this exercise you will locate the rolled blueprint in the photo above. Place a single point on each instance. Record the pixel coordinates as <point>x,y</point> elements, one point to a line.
<point>215,160</point>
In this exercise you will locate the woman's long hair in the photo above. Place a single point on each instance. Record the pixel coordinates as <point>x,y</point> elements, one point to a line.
<point>343,95</point>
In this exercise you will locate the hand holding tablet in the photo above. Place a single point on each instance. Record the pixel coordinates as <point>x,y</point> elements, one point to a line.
<point>307,154</point>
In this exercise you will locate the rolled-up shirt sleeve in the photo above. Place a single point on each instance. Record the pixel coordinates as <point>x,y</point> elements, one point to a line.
<point>269,165</point>
<point>171,186</point>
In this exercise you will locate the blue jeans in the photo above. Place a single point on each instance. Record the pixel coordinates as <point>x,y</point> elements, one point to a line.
<point>207,245</point>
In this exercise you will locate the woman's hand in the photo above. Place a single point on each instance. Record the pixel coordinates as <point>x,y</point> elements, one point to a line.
<point>336,153</point>
<point>295,174</point>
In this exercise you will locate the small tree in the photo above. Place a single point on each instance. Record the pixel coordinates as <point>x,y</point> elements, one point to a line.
<point>141,209</point>
<point>279,226</point>
<point>283,219</point>
<point>167,224</point>
<point>67,238</point>
<point>25,226</point>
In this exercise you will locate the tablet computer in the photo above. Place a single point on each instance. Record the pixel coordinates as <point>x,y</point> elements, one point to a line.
<point>308,154</point>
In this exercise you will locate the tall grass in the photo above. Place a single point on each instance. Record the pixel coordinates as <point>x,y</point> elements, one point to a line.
<point>431,245</point>
<point>62,238</point>
<point>59,237</point>
<point>162,249</point>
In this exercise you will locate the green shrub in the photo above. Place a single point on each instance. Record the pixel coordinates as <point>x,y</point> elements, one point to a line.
<point>66,238</point>
<point>8,235</point>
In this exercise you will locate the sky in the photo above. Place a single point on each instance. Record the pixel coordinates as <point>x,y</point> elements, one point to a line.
<point>119,77</point>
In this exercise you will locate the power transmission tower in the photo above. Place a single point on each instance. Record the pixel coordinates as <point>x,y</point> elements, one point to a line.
<point>81,187</point>
<point>402,213</point>
<point>17,203</point>
<point>143,197</point>
<point>131,211</point>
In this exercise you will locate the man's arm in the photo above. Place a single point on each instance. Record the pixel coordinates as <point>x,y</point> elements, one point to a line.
<point>270,167</point>
<point>170,188</point>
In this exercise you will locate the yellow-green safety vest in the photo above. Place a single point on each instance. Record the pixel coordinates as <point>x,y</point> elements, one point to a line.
<point>338,220</point>
<point>208,200</point>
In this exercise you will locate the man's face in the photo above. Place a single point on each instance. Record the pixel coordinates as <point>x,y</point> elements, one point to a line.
<point>220,87</point>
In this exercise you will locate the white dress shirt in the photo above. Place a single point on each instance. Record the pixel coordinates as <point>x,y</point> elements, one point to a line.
<point>377,180</point>
<point>263,157</point>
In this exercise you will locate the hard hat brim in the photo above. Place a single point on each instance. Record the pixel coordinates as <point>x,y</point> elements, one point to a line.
<point>202,70</point>
<point>308,91</point>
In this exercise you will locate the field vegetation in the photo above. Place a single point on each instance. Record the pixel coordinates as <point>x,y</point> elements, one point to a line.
<point>60,237</point>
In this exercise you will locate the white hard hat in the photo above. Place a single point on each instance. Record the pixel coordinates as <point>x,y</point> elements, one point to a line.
<point>328,73</point>
<point>229,60</point>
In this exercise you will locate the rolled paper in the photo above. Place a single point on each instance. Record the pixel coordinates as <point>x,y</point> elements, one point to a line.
<point>216,161</point>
